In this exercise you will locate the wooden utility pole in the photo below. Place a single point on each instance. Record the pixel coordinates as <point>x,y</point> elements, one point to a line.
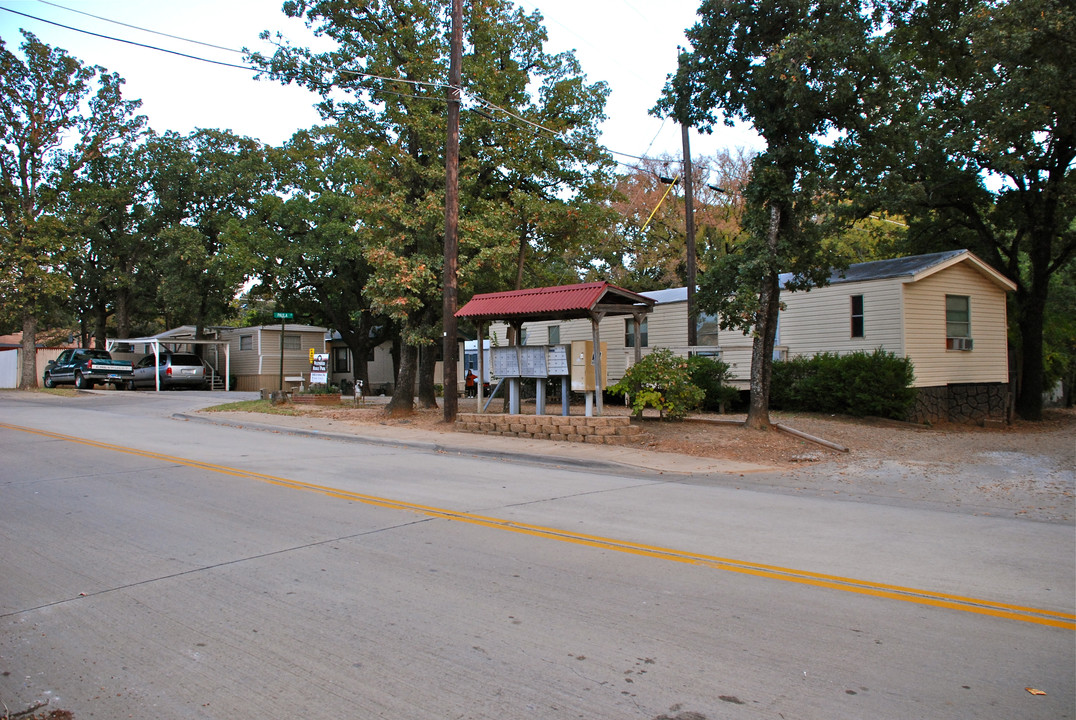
<point>689,220</point>
<point>452,214</point>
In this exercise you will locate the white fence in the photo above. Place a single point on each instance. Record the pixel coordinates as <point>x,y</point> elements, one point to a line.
<point>11,368</point>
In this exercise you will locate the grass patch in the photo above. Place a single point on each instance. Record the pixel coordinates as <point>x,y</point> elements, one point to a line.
<point>59,391</point>
<point>254,406</point>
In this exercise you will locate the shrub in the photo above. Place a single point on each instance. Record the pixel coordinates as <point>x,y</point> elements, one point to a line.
<point>660,380</point>
<point>711,376</point>
<point>860,383</point>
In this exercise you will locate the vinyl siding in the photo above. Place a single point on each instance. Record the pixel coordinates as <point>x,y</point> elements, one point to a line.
<point>924,302</point>
<point>263,360</point>
<point>821,320</point>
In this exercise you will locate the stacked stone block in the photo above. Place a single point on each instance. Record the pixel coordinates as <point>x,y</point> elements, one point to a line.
<point>962,403</point>
<point>597,430</point>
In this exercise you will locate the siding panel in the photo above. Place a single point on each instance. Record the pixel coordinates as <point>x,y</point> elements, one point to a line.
<point>925,306</point>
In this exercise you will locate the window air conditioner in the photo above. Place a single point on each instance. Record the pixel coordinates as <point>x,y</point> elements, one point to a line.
<point>958,343</point>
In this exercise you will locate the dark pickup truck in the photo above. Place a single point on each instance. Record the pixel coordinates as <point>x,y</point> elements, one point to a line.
<point>84,368</point>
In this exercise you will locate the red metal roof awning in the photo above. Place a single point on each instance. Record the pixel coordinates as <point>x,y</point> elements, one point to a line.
<point>560,302</point>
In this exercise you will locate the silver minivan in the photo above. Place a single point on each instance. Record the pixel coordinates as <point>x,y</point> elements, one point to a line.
<point>176,370</point>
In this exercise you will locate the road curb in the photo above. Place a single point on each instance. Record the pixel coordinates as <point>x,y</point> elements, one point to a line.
<point>509,456</point>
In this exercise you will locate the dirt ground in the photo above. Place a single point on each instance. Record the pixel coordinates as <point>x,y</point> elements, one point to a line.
<point>1024,469</point>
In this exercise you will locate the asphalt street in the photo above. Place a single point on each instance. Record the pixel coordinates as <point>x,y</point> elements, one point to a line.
<point>155,567</point>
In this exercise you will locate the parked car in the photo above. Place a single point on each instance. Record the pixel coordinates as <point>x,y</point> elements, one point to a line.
<point>85,367</point>
<point>175,370</point>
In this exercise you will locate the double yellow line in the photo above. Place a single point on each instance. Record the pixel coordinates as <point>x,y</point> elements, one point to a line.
<point>1006,611</point>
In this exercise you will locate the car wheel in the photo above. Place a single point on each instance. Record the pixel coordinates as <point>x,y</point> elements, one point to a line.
<point>129,385</point>
<point>48,381</point>
<point>82,383</point>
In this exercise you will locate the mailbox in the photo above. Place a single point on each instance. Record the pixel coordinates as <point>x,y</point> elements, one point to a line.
<point>583,365</point>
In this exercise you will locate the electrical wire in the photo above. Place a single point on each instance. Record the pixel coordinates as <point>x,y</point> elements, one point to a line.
<point>554,135</point>
<point>136,27</point>
<point>128,42</point>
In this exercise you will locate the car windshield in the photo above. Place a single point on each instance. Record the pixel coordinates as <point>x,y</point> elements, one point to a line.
<point>185,360</point>
<point>100,354</point>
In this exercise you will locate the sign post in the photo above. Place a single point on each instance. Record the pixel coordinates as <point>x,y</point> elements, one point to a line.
<point>282,316</point>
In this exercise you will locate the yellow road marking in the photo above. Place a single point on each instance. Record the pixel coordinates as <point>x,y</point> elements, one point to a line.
<point>835,582</point>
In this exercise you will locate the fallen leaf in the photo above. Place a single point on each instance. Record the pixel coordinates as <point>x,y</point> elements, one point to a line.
<point>1033,691</point>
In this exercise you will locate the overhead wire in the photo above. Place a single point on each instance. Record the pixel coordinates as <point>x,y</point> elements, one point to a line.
<point>142,29</point>
<point>553,134</point>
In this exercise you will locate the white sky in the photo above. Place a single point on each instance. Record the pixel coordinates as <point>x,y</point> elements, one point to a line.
<point>630,44</point>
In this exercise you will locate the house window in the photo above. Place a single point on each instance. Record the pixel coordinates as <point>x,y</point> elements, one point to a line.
<point>554,334</point>
<point>340,360</point>
<point>857,316</point>
<point>706,327</point>
<point>246,342</point>
<point>957,322</point>
<point>292,342</point>
<point>629,333</point>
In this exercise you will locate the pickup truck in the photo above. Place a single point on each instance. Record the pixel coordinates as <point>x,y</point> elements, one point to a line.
<point>86,367</point>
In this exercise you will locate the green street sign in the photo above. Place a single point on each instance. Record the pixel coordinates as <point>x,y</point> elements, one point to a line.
<point>284,315</point>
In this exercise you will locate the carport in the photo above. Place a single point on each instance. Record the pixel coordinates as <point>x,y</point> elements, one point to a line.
<point>594,300</point>
<point>170,343</point>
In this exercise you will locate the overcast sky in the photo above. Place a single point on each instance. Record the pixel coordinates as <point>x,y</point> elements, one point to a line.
<point>630,44</point>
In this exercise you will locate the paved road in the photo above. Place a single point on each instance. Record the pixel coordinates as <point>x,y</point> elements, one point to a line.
<point>168,569</point>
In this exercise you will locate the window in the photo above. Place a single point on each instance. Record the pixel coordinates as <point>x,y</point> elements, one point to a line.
<point>340,360</point>
<point>629,333</point>
<point>857,316</point>
<point>246,342</point>
<point>554,334</point>
<point>706,327</point>
<point>957,322</point>
<point>292,342</point>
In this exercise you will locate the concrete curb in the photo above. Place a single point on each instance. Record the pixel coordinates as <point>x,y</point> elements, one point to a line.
<point>509,456</point>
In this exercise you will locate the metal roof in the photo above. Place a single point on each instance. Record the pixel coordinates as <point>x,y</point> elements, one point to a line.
<point>560,302</point>
<point>914,267</point>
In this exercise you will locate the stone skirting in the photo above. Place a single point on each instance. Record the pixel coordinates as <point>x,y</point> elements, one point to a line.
<point>604,430</point>
<point>962,403</point>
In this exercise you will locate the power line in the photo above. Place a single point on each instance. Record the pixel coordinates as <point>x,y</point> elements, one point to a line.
<point>137,27</point>
<point>128,42</point>
<point>415,83</point>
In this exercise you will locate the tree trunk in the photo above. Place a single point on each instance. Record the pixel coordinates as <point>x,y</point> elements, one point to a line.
<point>28,377</point>
<point>769,300</point>
<point>427,365</point>
<point>100,325</point>
<point>123,313</point>
<point>403,395</point>
<point>1032,309</point>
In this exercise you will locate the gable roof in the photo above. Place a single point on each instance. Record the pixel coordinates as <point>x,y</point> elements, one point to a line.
<point>561,302</point>
<point>914,268</point>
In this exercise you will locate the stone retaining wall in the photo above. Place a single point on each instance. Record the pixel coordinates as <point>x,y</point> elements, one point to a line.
<point>600,430</point>
<point>962,403</point>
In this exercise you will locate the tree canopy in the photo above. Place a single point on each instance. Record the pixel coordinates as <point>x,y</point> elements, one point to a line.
<point>58,114</point>
<point>528,150</point>
<point>795,69</point>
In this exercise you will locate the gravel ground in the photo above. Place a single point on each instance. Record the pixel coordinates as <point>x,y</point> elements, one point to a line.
<point>1020,470</point>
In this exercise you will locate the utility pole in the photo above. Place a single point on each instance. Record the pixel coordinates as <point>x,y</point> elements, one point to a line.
<point>452,214</point>
<point>689,220</point>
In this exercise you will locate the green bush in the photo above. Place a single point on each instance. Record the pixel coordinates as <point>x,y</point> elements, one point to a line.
<point>860,383</point>
<point>660,380</point>
<point>711,376</point>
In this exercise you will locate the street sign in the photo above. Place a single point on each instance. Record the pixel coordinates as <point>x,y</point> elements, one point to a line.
<point>283,315</point>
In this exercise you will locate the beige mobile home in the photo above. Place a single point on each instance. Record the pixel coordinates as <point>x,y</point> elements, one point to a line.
<point>256,353</point>
<point>945,311</point>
